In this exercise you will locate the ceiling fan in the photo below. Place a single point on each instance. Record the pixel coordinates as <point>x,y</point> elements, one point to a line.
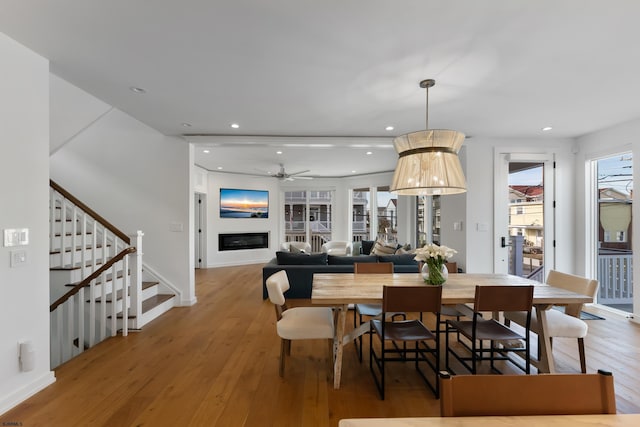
<point>284,176</point>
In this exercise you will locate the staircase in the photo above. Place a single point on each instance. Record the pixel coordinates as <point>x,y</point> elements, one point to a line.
<point>98,284</point>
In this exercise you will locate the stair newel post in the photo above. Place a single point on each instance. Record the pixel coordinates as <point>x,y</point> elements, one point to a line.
<point>136,279</point>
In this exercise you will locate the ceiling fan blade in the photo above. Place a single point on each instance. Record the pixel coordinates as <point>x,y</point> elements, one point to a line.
<point>303,177</point>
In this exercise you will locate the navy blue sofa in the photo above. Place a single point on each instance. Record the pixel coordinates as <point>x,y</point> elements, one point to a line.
<point>301,267</point>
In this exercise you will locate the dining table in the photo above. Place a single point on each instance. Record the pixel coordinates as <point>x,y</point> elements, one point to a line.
<point>601,420</point>
<point>339,290</point>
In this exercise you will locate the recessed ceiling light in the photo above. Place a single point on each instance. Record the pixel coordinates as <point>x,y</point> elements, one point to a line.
<point>219,168</point>
<point>206,151</point>
<point>353,171</point>
<point>278,152</point>
<point>389,128</point>
<point>369,153</point>
<point>235,125</point>
<point>187,125</point>
<point>137,89</point>
<point>546,128</point>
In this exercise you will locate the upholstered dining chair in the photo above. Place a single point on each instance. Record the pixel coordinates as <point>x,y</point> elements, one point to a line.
<point>360,311</point>
<point>559,324</point>
<point>414,299</point>
<point>478,329</point>
<point>297,323</point>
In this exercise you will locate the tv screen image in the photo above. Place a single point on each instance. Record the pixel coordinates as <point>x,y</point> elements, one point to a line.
<point>236,203</point>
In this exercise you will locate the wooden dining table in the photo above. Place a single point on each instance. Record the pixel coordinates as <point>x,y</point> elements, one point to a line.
<point>607,420</point>
<point>339,290</point>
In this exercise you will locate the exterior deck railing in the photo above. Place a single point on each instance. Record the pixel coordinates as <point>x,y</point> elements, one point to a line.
<point>615,278</point>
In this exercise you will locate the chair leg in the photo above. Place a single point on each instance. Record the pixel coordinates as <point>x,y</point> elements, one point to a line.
<point>283,350</point>
<point>583,361</point>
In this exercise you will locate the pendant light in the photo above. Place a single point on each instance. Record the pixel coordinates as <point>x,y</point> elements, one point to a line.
<point>428,162</point>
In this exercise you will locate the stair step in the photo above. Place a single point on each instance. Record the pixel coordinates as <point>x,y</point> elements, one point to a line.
<point>151,303</point>
<point>75,267</point>
<point>145,285</point>
<point>155,300</point>
<point>78,248</point>
<point>98,280</point>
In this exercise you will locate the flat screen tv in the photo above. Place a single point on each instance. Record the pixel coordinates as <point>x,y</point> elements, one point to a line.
<point>236,203</point>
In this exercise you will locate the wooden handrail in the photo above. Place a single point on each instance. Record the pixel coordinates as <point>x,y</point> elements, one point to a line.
<point>91,212</point>
<point>92,276</point>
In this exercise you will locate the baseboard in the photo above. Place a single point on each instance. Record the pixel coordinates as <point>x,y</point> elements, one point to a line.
<point>23,393</point>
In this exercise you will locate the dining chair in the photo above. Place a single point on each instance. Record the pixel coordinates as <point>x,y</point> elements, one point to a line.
<point>297,323</point>
<point>414,299</point>
<point>477,330</point>
<point>360,311</point>
<point>522,395</point>
<point>449,310</point>
<point>559,324</point>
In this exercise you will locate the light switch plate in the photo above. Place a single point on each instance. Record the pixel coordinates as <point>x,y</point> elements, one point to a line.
<point>16,237</point>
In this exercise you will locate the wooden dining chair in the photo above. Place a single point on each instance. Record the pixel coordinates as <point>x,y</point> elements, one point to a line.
<point>513,395</point>
<point>363,312</point>
<point>414,299</point>
<point>559,324</point>
<point>478,329</point>
<point>297,323</point>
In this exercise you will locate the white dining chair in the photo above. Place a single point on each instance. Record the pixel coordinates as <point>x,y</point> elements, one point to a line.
<point>559,324</point>
<point>297,323</point>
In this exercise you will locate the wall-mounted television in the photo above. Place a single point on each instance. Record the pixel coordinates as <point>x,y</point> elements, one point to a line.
<point>236,203</point>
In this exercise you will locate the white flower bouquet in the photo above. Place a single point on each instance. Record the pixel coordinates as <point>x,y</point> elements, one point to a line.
<point>434,257</point>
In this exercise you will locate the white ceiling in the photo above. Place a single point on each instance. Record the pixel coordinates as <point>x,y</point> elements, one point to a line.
<point>302,71</point>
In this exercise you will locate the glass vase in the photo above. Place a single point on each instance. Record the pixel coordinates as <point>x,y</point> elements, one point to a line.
<point>434,272</point>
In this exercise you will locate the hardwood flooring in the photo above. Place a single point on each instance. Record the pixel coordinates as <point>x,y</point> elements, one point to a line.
<point>216,364</point>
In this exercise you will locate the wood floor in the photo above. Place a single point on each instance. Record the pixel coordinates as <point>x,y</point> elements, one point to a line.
<point>216,364</point>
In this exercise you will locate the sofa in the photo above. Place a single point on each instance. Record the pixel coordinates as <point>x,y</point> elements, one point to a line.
<point>300,268</point>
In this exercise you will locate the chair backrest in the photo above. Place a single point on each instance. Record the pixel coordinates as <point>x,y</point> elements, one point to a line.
<point>373,267</point>
<point>277,285</point>
<point>577,284</point>
<point>503,298</point>
<point>543,394</point>
<point>452,267</point>
<point>415,299</point>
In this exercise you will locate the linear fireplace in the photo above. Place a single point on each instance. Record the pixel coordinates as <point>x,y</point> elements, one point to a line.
<point>236,241</point>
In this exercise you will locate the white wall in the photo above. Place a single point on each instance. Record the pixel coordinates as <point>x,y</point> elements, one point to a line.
<point>136,178</point>
<point>216,225</point>
<point>24,174</point>
<point>480,153</point>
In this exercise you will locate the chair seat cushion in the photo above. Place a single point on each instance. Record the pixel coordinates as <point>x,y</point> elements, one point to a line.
<point>405,330</point>
<point>486,329</point>
<point>558,323</point>
<point>306,323</point>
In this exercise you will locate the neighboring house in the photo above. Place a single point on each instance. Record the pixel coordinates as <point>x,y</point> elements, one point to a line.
<point>615,225</point>
<point>526,213</point>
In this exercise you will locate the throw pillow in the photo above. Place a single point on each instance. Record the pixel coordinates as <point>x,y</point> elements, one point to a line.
<point>384,248</point>
<point>295,250</point>
<point>287,258</point>
<point>367,246</point>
